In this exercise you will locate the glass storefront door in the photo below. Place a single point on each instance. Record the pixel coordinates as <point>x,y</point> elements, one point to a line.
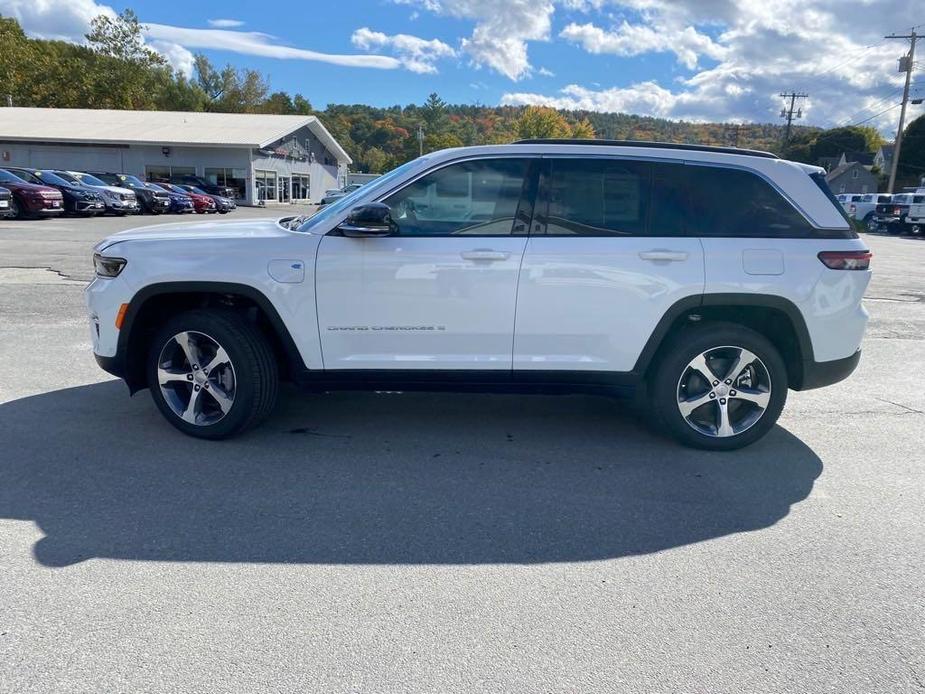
<point>283,189</point>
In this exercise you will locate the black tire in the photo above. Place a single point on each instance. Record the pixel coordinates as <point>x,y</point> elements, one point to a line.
<point>869,223</point>
<point>673,362</point>
<point>15,210</point>
<point>255,370</point>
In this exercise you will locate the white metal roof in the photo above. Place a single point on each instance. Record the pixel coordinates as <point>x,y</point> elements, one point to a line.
<point>176,128</point>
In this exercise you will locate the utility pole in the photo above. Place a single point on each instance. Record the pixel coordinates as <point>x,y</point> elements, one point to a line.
<point>788,113</point>
<point>905,65</point>
<point>420,139</point>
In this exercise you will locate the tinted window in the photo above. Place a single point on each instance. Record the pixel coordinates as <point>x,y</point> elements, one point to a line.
<point>670,205</point>
<point>597,197</point>
<point>10,178</point>
<point>477,198</point>
<point>731,202</point>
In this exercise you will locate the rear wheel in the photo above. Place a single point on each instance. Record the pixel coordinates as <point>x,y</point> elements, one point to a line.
<point>15,210</point>
<point>212,374</point>
<point>719,386</point>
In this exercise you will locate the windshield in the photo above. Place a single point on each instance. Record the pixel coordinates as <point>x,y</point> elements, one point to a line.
<point>154,186</point>
<point>129,181</point>
<point>91,180</point>
<point>370,189</point>
<point>10,178</point>
<point>197,191</point>
<point>68,177</point>
<point>50,177</point>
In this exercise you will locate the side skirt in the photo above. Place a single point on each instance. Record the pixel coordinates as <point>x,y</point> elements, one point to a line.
<point>614,384</point>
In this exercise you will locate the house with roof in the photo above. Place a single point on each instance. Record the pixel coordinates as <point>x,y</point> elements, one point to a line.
<point>265,158</point>
<point>851,177</point>
<point>883,158</point>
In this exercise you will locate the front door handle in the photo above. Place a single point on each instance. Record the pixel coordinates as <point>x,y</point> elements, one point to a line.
<point>485,254</point>
<point>664,255</point>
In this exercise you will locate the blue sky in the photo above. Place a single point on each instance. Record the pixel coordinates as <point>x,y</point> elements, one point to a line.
<point>722,60</point>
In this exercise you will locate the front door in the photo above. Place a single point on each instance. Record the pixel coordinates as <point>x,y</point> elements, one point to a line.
<point>440,293</point>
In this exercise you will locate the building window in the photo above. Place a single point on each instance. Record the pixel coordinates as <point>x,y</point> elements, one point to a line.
<point>266,185</point>
<point>854,174</point>
<point>301,187</point>
<point>233,178</point>
<point>158,172</point>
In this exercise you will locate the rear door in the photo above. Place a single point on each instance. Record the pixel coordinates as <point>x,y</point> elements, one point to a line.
<point>606,258</point>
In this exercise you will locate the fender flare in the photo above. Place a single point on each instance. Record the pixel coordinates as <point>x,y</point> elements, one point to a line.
<point>121,362</point>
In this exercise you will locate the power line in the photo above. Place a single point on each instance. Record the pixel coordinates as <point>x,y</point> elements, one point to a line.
<point>861,122</point>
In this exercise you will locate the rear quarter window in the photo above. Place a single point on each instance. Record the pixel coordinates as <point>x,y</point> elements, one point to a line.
<point>737,203</point>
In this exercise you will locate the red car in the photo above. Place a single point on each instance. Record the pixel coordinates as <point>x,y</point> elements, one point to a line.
<point>202,203</point>
<point>31,199</point>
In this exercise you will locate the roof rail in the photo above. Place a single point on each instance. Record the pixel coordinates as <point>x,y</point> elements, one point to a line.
<point>644,144</point>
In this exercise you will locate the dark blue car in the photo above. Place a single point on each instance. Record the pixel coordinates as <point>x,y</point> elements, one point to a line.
<point>179,204</point>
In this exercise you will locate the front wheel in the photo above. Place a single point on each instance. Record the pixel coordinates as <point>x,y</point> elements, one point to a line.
<point>212,374</point>
<point>719,386</point>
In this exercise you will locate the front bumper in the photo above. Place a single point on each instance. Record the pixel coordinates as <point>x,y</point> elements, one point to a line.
<point>89,206</point>
<point>122,205</point>
<point>818,374</point>
<point>5,208</point>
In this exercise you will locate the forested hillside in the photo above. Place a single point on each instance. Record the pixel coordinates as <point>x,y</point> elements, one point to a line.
<point>115,69</point>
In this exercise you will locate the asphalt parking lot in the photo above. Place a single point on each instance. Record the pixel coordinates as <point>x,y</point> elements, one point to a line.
<point>417,542</point>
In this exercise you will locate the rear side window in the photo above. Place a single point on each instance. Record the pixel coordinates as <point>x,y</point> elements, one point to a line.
<point>597,197</point>
<point>731,202</point>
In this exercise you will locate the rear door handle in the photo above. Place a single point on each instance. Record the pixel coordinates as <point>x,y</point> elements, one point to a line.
<point>485,254</point>
<point>664,255</point>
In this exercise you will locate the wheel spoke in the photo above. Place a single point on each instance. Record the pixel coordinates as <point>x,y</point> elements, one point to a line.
<point>700,365</point>
<point>221,357</point>
<point>165,376</point>
<point>759,397</point>
<point>223,399</point>
<point>189,348</point>
<point>688,406</point>
<point>724,427</point>
<point>744,359</point>
<point>192,408</point>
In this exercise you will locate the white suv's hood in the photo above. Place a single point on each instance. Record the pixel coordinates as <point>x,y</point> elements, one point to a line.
<point>180,231</point>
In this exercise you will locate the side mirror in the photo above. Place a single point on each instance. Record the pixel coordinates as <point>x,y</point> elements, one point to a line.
<point>371,219</point>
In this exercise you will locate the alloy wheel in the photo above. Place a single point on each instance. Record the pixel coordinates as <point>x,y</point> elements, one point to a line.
<point>724,391</point>
<point>196,378</point>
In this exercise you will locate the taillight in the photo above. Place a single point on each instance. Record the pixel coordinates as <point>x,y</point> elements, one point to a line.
<point>897,211</point>
<point>846,260</point>
<point>852,208</point>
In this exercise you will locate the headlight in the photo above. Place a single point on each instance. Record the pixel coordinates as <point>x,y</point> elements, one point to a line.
<point>107,267</point>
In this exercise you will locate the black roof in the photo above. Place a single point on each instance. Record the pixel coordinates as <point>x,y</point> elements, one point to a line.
<point>644,144</point>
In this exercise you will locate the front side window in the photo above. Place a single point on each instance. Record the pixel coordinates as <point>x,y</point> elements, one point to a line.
<point>473,198</point>
<point>732,202</point>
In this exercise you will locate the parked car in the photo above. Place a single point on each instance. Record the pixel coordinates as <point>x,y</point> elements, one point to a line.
<point>891,216</point>
<point>78,199</point>
<point>5,197</point>
<point>916,216</point>
<point>223,205</point>
<point>119,201</point>
<point>202,203</point>
<point>862,206</point>
<point>203,184</point>
<point>635,275</point>
<point>31,199</point>
<point>149,200</point>
<point>336,194</point>
<point>180,203</point>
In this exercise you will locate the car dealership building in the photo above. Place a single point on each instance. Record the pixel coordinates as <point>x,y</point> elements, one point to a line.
<point>267,159</point>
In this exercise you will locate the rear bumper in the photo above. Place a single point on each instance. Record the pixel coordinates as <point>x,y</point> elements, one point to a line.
<point>817,374</point>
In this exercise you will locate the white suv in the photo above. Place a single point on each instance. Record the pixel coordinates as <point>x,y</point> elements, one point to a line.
<point>713,279</point>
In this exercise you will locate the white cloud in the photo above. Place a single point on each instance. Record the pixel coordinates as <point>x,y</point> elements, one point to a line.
<point>264,45</point>
<point>179,58</point>
<point>760,47</point>
<point>48,19</point>
<point>502,30</point>
<point>416,54</point>
<point>545,73</point>
<point>635,39</point>
<point>225,23</point>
